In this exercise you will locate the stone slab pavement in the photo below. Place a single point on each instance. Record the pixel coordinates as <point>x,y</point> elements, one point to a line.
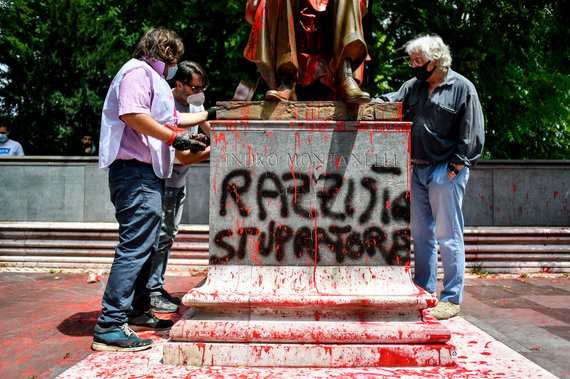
<point>48,319</point>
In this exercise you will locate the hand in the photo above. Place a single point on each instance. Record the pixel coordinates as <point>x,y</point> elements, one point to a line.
<point>452,175</point>
<point>182,140</point>
<point>175,131</point>
<point>212,112</point>
<point>189,141</point>
<point>202,138</point>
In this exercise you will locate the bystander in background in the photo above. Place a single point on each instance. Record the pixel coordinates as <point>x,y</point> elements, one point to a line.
<point>7,145</point>
<point>86,146</point>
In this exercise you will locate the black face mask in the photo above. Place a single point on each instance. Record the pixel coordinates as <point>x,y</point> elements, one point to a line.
<point>421,73</point>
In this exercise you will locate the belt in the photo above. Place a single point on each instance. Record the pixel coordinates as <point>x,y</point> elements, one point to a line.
<point>420,161</point>
<point>130,162</point>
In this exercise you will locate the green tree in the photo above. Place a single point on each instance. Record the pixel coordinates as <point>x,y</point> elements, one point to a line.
<point>215,36</point>
<point>525,82</point>
<point>515,53</point>
<point>55,69</point>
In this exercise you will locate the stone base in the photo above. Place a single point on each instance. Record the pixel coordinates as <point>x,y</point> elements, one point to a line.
<point>308,355</point>
<point>322,316</point>
<point>308,110</point>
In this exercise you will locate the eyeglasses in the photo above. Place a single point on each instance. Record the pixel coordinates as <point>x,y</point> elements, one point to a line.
<point>416,62</point>
<point>196,89</point>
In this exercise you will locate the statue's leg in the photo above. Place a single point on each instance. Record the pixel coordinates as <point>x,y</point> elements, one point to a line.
<point>349,49</point>
<point>262,39</point>
<point>348,37</point>
<point>286,61</point>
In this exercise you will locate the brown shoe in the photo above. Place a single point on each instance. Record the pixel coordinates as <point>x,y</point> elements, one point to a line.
<point>352,92</point>
<point>349,88</point>
<point>283,93</point>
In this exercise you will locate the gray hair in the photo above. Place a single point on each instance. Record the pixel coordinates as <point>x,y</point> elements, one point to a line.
<point>433,49</point>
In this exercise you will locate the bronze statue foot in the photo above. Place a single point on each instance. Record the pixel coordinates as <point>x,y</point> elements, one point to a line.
<point>282,93</point>
<point>352,92</point>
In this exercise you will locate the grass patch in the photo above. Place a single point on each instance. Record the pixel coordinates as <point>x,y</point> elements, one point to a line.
<point>479,270</point>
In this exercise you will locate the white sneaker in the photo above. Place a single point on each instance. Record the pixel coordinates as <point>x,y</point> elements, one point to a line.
<point>444,310</point>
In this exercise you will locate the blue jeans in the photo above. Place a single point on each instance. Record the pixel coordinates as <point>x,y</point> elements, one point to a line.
<point>436,216</point>
<point>136,193</point>
<point>172,206</point>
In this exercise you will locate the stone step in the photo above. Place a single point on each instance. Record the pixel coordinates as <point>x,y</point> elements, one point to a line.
<point>91,245</point>
<point>73,245</point>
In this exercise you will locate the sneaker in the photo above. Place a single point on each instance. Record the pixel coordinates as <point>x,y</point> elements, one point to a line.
<point>160,304</point>
<point>445,310</point>
<point>148,321</point>
<point>120,339</point>
<point>169,297</point>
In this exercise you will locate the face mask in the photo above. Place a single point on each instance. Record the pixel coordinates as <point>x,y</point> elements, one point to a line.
<point>171,72</point>
<point>197,99</point>
<point>421,73</point>
<point>3,138</point>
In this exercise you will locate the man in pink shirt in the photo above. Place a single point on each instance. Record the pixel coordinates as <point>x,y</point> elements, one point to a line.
<point>140,136</point>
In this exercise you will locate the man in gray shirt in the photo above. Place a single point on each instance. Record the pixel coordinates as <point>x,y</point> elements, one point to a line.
<point>191,82</point>
<point>446,140</point>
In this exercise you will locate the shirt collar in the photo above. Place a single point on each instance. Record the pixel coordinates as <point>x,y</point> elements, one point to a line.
<point>450,78</point>
<point>156,65</point>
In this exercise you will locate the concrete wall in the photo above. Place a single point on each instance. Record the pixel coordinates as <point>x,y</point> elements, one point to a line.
<point>74,189</point>
<point>499,193</point>
<point>518,193</point>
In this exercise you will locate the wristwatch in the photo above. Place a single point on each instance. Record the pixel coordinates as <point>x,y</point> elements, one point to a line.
<point>452,168</point>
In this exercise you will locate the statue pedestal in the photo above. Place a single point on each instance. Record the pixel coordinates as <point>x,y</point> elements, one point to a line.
<point>293,316</point>
<point>309,252</point>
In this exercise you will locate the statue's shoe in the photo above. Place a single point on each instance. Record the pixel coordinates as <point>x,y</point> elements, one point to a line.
<point>352,92</point>
<point>282,93</point>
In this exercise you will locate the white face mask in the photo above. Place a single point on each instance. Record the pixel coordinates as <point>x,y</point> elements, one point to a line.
<point>196,99</point>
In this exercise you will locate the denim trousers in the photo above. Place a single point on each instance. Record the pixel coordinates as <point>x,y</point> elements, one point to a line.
<point>136,193</point>
<point>172,207</point>
<point>436,218</point>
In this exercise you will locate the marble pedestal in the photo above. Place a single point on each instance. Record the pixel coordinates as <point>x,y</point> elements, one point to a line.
<point>309,249</point>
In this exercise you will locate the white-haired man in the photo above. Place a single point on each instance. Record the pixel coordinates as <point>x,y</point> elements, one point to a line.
<point>447,139</point>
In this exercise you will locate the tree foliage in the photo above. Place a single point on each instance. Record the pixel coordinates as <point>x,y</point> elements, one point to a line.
<point>57,59</point>
<point>516,54</point>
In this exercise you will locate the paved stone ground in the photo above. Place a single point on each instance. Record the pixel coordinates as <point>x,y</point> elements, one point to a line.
<point>530,315</point>
<point>48,318</point>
